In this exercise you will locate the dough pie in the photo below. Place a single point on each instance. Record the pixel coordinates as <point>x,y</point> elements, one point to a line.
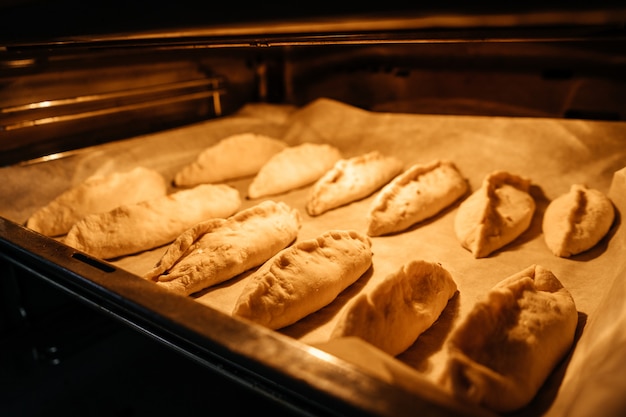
<point>576,221</point>
<point>494,215</point>
<point>400,308</point>
<point>292,168</point>
<point>303,278</point>
<point>351,180</point>
<point>505,348</point>
<point>152,223</point>
<point>216,250</point>
<point>235,156</point>
<point>417,194</point>
<point>97,194</point>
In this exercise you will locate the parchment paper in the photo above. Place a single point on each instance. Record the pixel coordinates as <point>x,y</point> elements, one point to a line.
<point>554,154</point>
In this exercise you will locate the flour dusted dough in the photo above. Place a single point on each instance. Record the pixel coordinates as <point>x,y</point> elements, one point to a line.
<point>400,308</point>
<point>96,194</point>
<point>235,156</point>
<point>417,194</point>
<point>303,278</point>
<point>351,180</point>
<point>494,215</point>
<point>148,224</point>
<point>576,221</point>
<point>292,168</point>
<point>510,342</point>
<point>217,250</point>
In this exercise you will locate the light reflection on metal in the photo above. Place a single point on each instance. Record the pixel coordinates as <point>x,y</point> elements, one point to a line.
<point>17,63</point>
<point>114,95</point>
<point>356,30</point>
<point>51,157</point>
<point>320,354</point>
<point>113,110</point>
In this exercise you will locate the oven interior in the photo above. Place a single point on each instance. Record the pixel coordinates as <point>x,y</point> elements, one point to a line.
<point>57,98</point>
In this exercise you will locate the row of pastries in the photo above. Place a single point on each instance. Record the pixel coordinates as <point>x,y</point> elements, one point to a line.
<point>211,240</point>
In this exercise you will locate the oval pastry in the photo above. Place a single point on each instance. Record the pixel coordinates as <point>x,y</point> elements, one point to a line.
<point>217,250</point>
<point>293,167</point>
<point>576,221</point>
<point>303,278</point>
<point>494,215</point>
<point>97,194</point>
<point>417,194</point>
<point>400,308</point>
<point>235,156</point>
<point>134,228</point>
<point>351,180</point>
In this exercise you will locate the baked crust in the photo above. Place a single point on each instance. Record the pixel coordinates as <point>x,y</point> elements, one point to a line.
<point>494,215</point>
<point>217,250</point>
<point>505,348</point>
<point>235,156</point>
<point>97,194</point>
<point>292,168</point>
<point>351,180</point>
<point>400,308</point>
<point>152,223</point>
<point>303,278</point>
<point>576,221</point>
<point>420,192</point>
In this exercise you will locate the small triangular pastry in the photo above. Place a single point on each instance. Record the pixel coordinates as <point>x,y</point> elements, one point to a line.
<point>494,215</point>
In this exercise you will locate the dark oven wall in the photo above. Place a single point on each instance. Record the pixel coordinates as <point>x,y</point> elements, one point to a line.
<point>561,80</point>
<point>76,98</point>
<point>56,102</point>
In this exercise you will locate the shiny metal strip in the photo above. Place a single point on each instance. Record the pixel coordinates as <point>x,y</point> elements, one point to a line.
<point>136,92</point>
<point>214,94</point>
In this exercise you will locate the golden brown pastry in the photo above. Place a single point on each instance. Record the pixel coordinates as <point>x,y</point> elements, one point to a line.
<point>152,223</point>
<point>400,308</point>
<point>503,351</point>
<point>494,215</point>
<point>303,278</point>
<point>351,180</point>
<point>417,194</point>
<point>220,249</point>
<point>292,168</point>
<point>236,156</point>
<point>97,194</point>
<point>576,221</point>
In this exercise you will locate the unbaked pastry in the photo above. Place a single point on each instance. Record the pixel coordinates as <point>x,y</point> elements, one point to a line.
<point>420,192</point>
<point>134,228</point>
<point>96,194</point>
<point>576,221</point>
<point>303,278</point>
<point>503,351</point>
<point>494,215</point>
<point>351,180</point>
<point>236,156</point>
<point>293,167</point>
<point>220,249</point>
<point>400,308</point>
